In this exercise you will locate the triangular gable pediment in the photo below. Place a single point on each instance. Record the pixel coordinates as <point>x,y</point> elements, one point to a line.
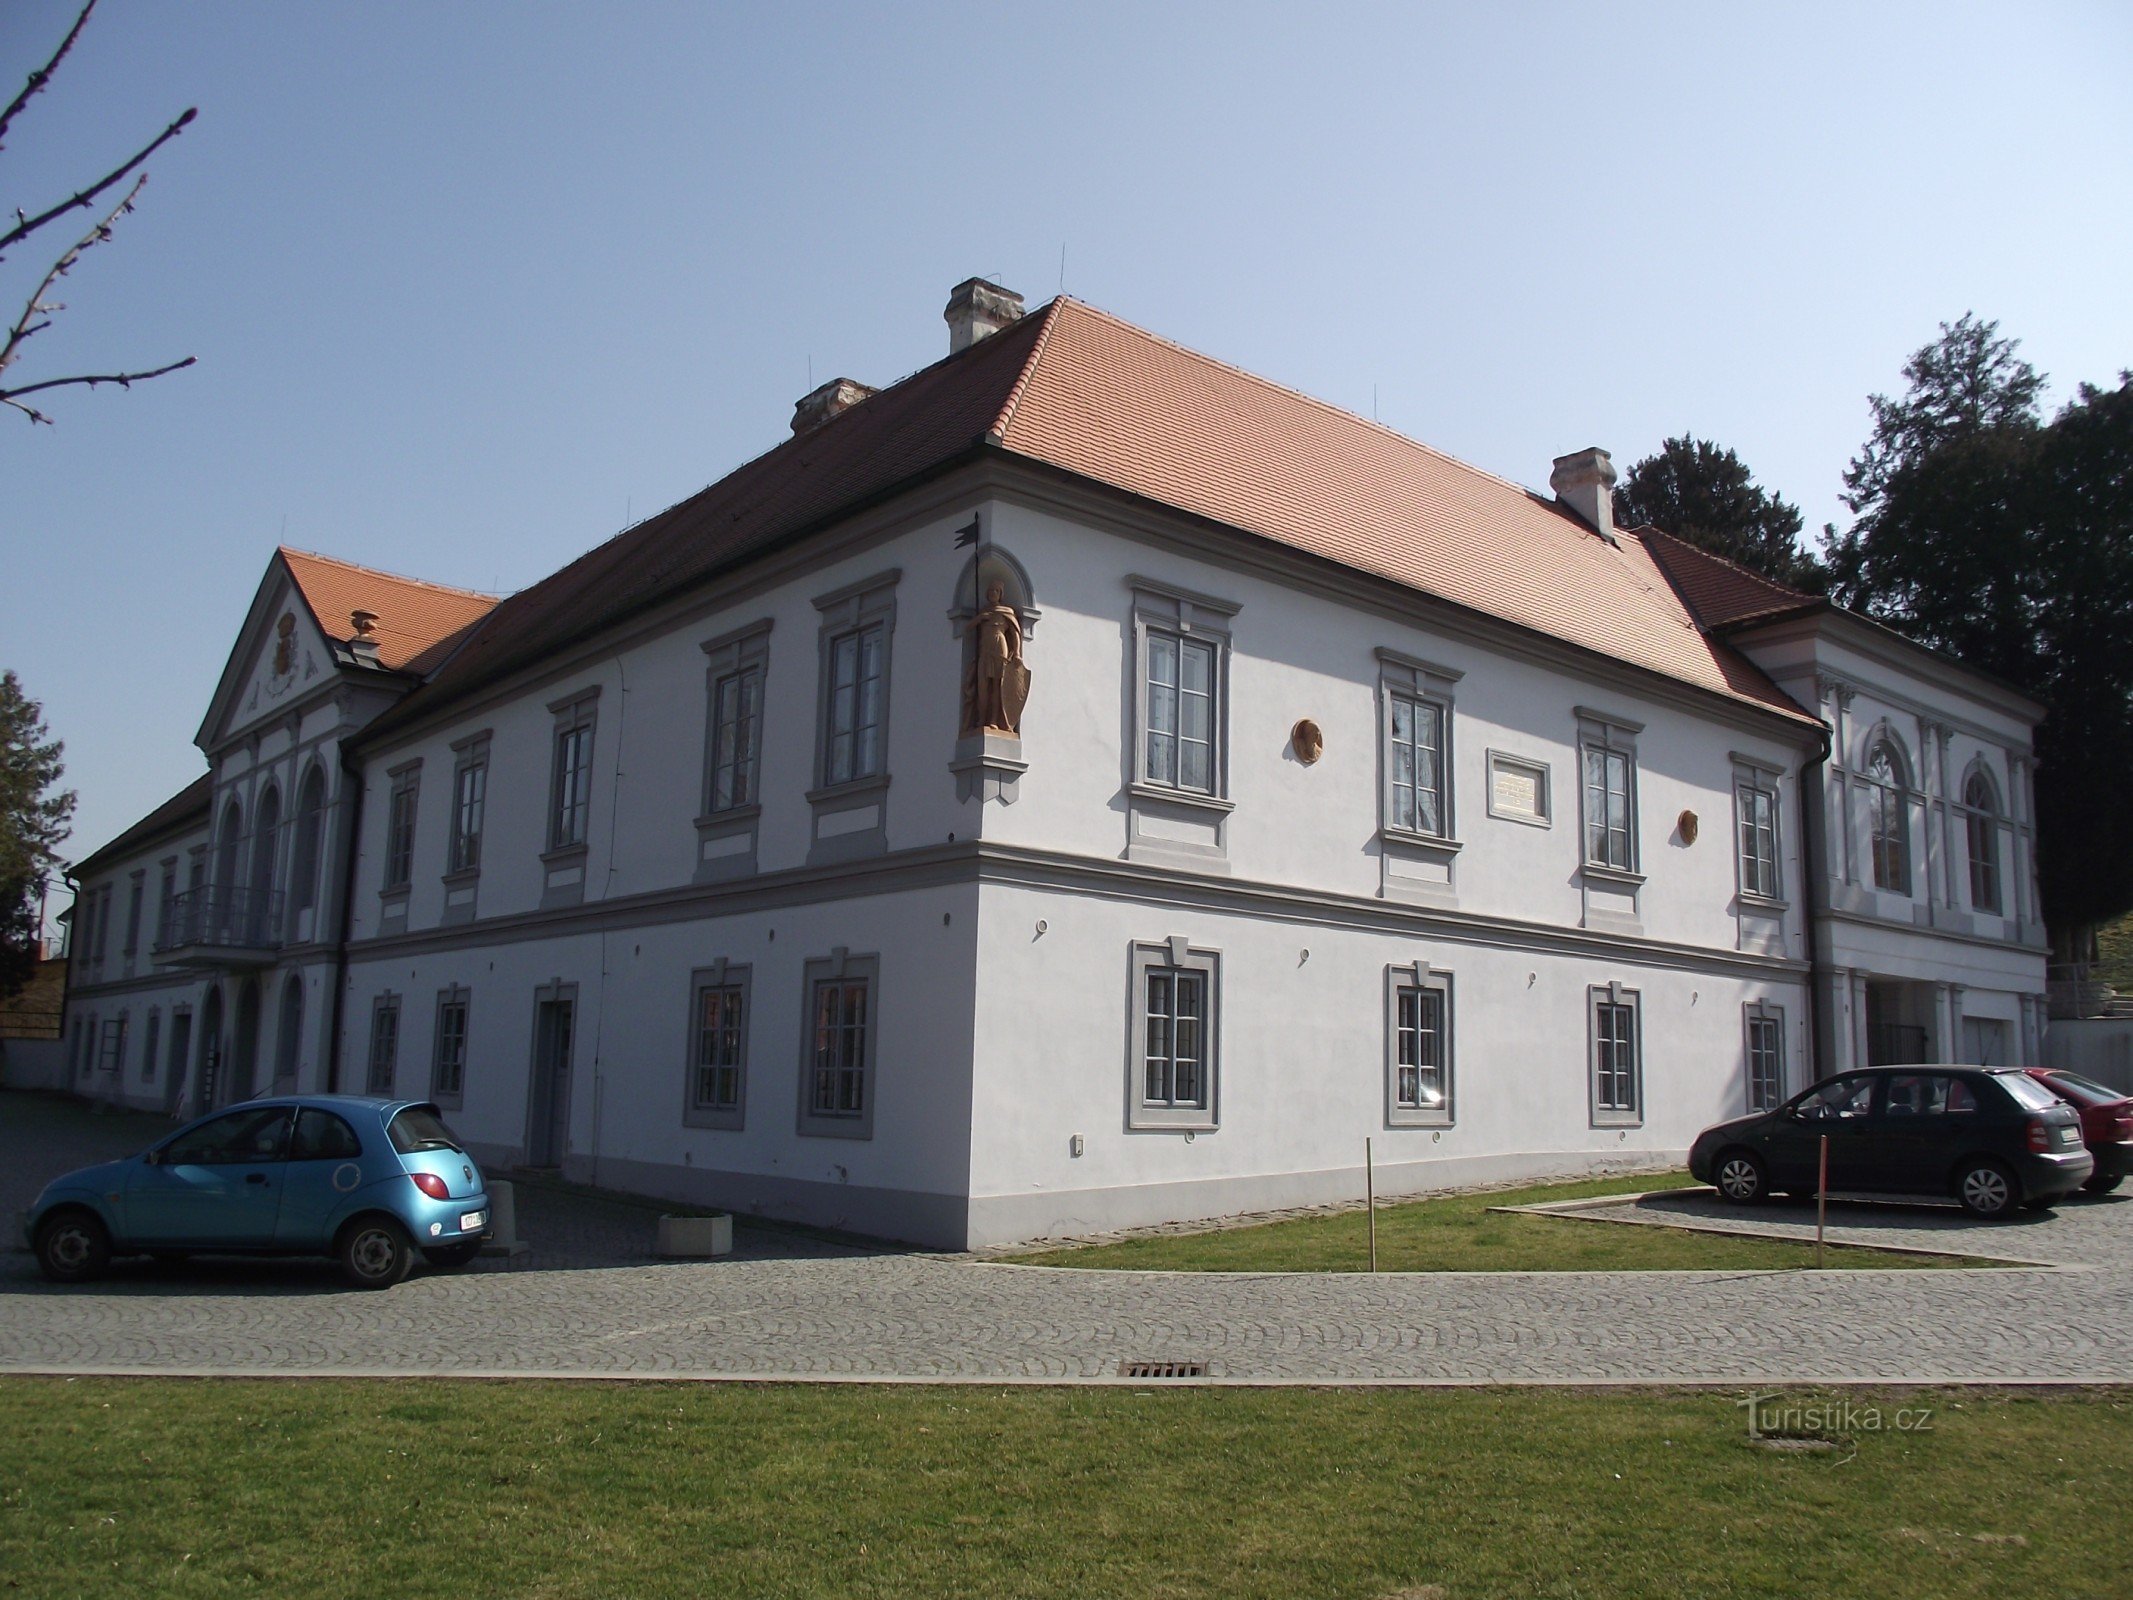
<point>279,659</point>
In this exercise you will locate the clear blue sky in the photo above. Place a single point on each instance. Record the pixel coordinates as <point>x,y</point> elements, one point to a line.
<point>470,285</point>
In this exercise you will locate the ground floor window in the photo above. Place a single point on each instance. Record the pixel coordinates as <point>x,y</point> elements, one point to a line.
<point>448,1066</point>
<point>838,1076</point>
<point>1419,1028</point>
<point>1766,1057</point>
<point>1175,1037</point>
<point>718,1047</point>
<point>1617,1076</point>
<point>384,1043</point>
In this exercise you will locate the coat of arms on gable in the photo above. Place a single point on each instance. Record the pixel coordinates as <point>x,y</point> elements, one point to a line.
<point>284,648</point>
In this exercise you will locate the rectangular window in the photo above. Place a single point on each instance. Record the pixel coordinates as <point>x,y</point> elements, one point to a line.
<point>470,800</point>
<point>1757,809</point>
<point>718,1047</point>
<point>1617,1088</point>
<point>1415,744</point>
<point>1766,1058</point>
<point>114,1048</point>
<point>1181,712</point>
<point>384,1043</point>
<point>1608,816</point>
<point>165,904</point>
<point>838,1085</point>
<point>852,730</point>
<point>133,916</point>
<point>150,1045</point>
<point>1419,1028</point>
<point>571,812</point>
<point>400,831</point>
<point>448,1063</point>
<point>1174,1056</point>
<point>736,738</point>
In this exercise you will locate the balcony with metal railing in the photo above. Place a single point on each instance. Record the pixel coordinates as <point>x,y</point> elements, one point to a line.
<point>219,925</point>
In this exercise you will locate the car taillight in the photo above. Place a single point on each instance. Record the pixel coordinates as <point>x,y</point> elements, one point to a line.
<point>2040,1136</point>
<point>433,1186</point>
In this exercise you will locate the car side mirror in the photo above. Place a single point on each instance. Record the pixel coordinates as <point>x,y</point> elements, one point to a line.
<point>151,1158</point>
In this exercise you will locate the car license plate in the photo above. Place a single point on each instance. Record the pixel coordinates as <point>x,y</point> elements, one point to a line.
<point>2067,1136</point>
<point>471,1220</point>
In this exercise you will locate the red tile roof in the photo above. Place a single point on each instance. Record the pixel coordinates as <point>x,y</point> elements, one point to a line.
<point>1076,389</point>
<point>1720,592</point>
<point>417,622</point>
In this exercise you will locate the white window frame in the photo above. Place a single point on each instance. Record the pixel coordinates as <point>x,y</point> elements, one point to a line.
<point>1763,1046</point>
<point>456,998</point>
<point>840,968</point>
<point>1179,960</point>
<point>1430,990</point>
<point>1607,1007</point>
<point>1888,812</point>
<point>1981,839</point>
<point>731,981</point>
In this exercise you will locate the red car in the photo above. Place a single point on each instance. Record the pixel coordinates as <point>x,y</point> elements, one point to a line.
<point>2106,1124</point>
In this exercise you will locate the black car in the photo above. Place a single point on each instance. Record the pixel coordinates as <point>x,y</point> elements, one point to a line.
<point>1993,1137</point>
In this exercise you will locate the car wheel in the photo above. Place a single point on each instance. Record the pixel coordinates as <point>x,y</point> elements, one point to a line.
<point>374,1253</point>
<point>2103,1182</point>
<point>453,1255</point>
<point>1741,1178</point>
<point>1987,1189</point>
<point>73,1246</point>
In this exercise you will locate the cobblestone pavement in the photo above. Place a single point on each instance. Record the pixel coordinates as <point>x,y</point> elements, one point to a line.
<point>792,1307</point>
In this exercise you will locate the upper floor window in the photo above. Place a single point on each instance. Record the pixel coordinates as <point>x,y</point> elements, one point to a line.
<point>1416,729</point>
<point>1888,819</point>
<point>1757,809</point>
<point>737,667</point>
<point>1181,712</point>
<point>852,730</point>
<point>166,902</point>
<point>570,776</point>
<point>133,915</point>
<point>470,805</point>
<point>400,826</point>
<point>1982,827</point>
<point>1607,765</point>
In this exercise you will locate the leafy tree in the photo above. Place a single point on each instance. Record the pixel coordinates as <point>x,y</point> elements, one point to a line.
<point>39,309</point>
<point>33,822</point>
<point>2008,543</point>
<point>1700,492</point>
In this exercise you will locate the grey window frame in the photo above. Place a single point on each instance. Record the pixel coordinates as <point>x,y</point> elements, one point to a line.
<point>1419,979</point>
<point>1176,956</point>
<point>1606,1004</point>
<point>1608,736</point>
<point>569,827</point>
<point>840,828</point>
<point>734,979</point>
<point>383,1006</point>
<point>1759,1019</point>
<point>731,660</point>
<point>1421,683</point>
<point>1757,876</point>
<point>470,765</point>
<point>840,966</point>
<point>111,1049</point>
<point>454,997</point>
<point>401,810</point>
<point>136,899</point>
<point>151,1042</point>
<point>166,902</point>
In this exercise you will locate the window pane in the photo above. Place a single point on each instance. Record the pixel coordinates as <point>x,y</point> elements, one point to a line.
<point>1196,767</point>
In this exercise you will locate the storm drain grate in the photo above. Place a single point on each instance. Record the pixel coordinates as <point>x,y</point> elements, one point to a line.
<point>1162,1369</point>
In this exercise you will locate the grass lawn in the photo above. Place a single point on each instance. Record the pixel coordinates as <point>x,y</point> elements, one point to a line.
<point>1459,1233</point>
<point>324,1489</point>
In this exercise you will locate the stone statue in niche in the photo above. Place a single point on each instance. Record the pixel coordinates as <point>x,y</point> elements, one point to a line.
<point>997,686</point>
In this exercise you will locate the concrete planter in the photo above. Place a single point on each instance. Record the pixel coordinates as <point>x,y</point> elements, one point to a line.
<point>688,1237</point>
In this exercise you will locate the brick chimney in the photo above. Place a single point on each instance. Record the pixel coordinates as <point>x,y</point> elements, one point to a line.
<point>1584,481</point>
<point>819,405</point>
<point>363,644</point>
<point>978,309</point>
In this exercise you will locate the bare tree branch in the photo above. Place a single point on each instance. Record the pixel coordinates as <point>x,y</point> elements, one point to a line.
<point>125,380</point>
<point>29,225</point>
<point>38,305</point>
<point>43,75</point>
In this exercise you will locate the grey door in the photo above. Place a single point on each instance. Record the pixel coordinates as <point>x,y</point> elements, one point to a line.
<point>550,1116</point>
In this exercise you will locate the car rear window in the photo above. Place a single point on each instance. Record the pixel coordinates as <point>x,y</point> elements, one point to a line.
<point>420,1128</point>
<point>2029,1094</point>
<point>2081,1089</point>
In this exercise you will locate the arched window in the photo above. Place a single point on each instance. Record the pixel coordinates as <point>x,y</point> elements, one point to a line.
<point>227,847</point>
<point>1982,824</point>
<point>1888,819</point>
<point>310,827</point>
<point>266,828</point>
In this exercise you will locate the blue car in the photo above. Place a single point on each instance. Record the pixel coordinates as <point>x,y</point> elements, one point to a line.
<point>367,1181</point>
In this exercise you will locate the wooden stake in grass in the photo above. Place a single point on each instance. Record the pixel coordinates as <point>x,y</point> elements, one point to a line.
<point>1821,1202</point>
<point>1370,1202</point>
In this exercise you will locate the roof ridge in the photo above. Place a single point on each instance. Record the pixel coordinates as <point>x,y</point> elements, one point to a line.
<point>380,572</point>
<point>1311,400</point>
<point>1050,312</point>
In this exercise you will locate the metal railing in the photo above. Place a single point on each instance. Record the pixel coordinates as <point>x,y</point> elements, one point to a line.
<point>222,917</point>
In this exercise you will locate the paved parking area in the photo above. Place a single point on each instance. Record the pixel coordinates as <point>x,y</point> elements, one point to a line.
<point>590,1303</point>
